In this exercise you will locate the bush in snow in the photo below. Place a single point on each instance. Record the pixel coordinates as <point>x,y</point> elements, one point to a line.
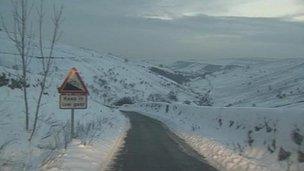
<point>281,95</point>
<point>86,132</point>
<point>101,82</point>
<point>250,139</point>
<point>301,156</point>
<point>167,108</point>
<point>11,83</point>
<point>16,83</point>
<point>124,100</point>
<point>172,96</point>
<point>157,98</point>
<point>205,100</point>
<point>298,138</point>
<point>90,131</point>
<point>284,155</point>
<point>187,102</point>
<point>3,80</point>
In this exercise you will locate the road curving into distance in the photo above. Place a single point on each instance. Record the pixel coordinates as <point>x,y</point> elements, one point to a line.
<point>151,146</point>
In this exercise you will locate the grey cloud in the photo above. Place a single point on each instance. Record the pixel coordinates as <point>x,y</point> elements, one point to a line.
<point>118,26</point>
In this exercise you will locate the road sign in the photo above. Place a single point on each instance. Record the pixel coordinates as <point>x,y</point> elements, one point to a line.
<point>73,94</point>
<point>73,83</point>
<point>73,101</point>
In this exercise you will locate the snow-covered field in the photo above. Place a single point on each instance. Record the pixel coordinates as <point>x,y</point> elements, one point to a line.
<point>236,138</point>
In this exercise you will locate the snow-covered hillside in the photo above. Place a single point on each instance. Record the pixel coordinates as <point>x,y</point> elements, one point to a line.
<point>248,82</point>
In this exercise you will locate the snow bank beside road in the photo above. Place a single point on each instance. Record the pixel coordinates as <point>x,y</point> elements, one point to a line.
<point>236,138</point>
<point>96,156</point>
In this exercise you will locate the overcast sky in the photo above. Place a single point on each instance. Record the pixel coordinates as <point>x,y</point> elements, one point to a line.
<point>183,29</point>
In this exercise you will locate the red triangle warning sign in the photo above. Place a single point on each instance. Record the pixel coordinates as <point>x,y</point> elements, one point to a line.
<point>73,83</point>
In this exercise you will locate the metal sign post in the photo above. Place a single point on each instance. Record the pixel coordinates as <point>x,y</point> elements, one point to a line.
<point>72,123</point>
<point>73,95</point>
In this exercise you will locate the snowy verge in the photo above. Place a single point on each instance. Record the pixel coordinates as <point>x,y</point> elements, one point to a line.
<point>236,139</point>
<point>95,156</point>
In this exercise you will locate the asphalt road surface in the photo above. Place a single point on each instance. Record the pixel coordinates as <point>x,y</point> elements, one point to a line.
<point>150,146</point>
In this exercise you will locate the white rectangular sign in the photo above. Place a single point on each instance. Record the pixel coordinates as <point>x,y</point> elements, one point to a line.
<point>73,101</point>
